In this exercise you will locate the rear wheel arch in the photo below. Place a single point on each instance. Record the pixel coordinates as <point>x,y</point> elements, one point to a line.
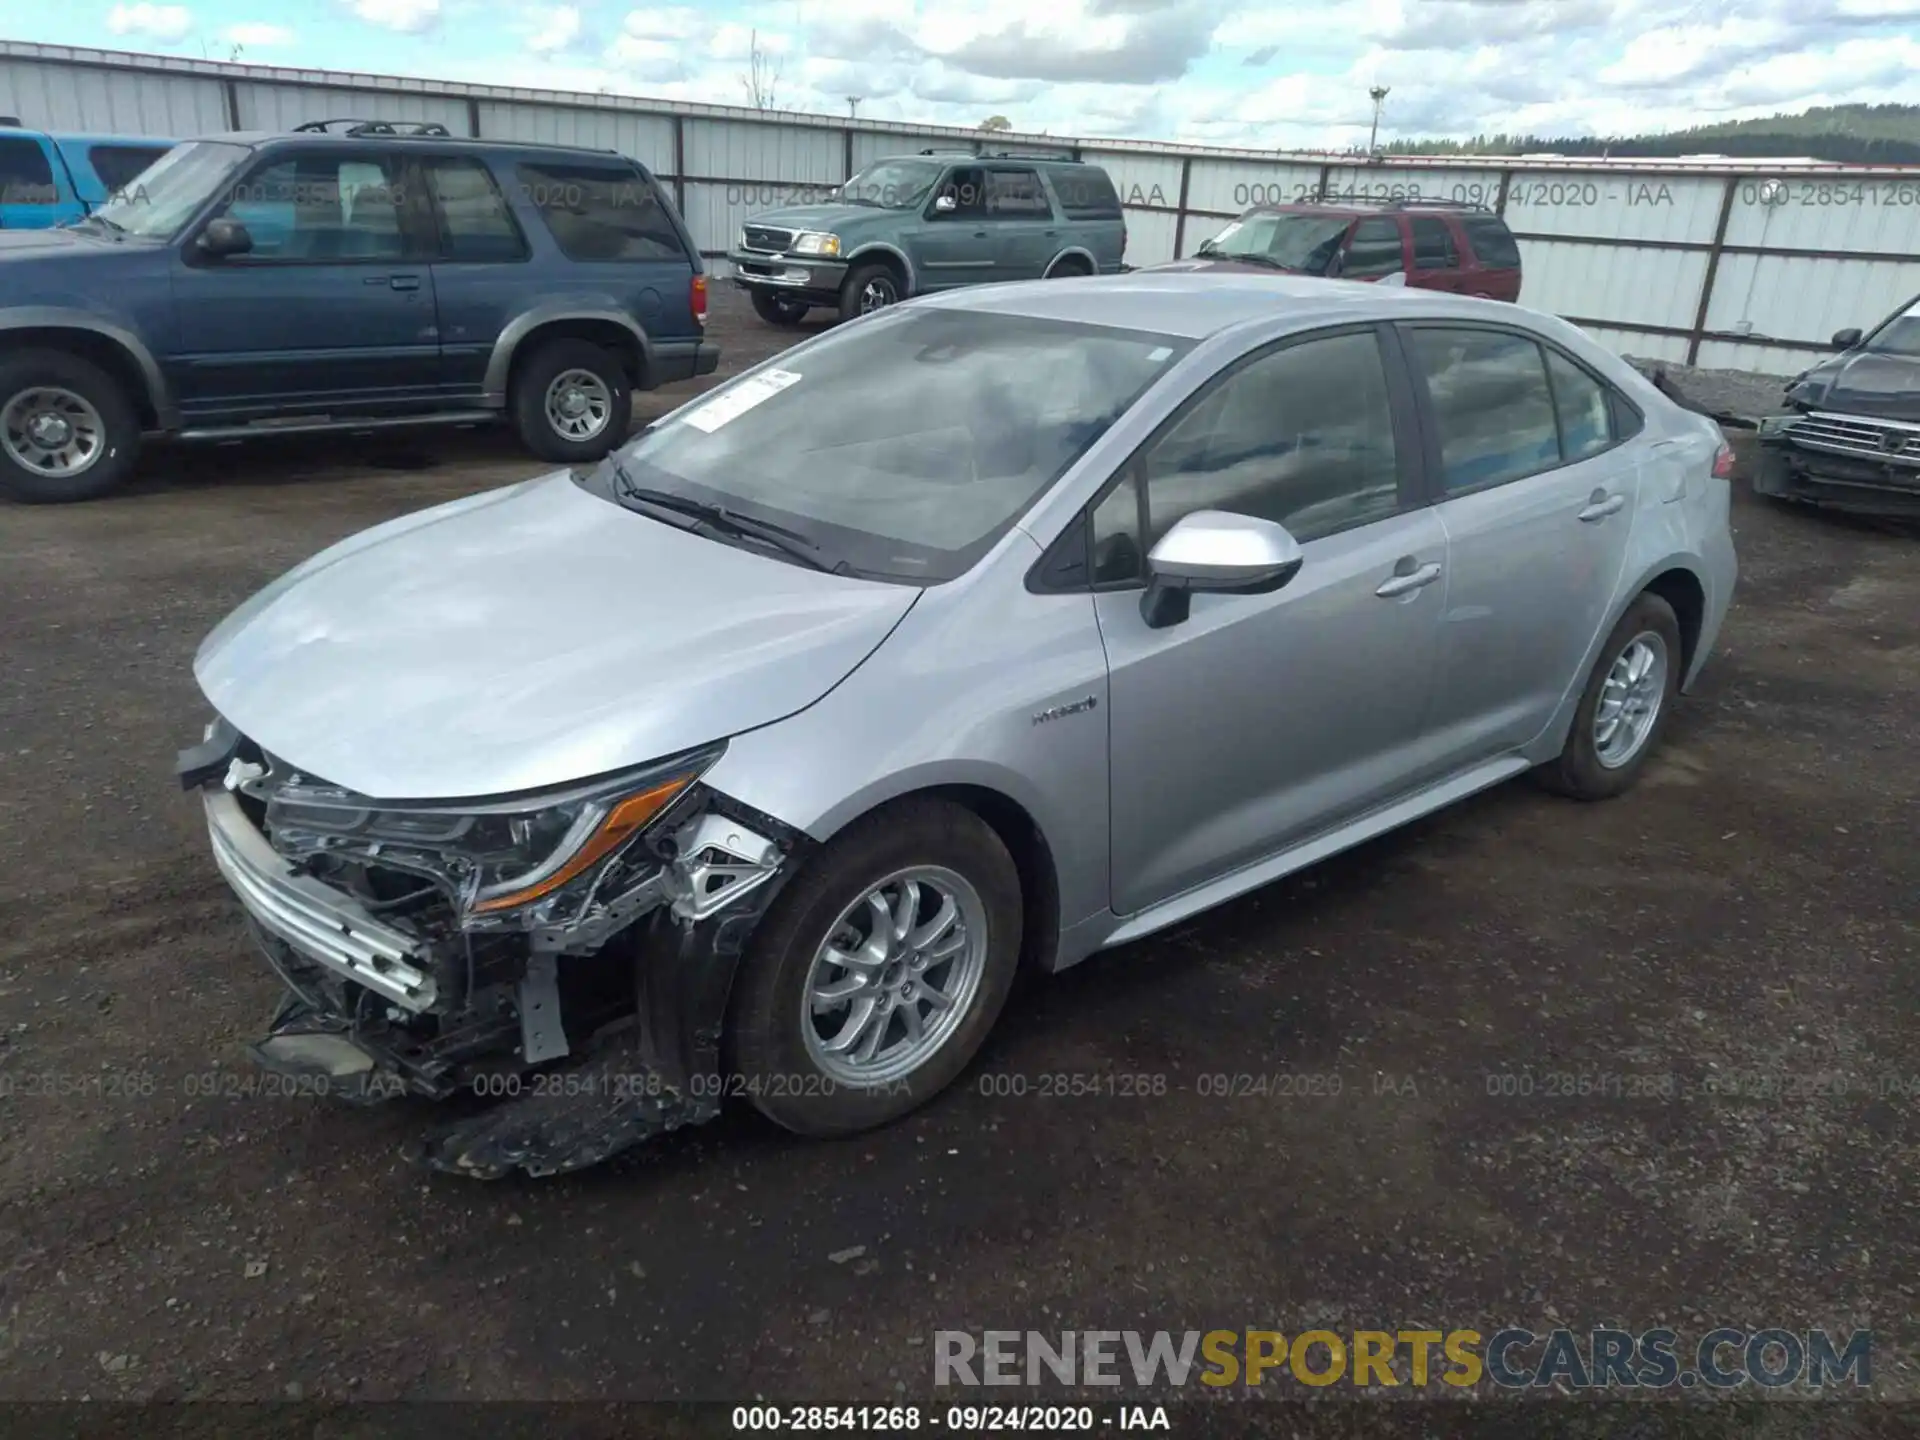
<point>1682,590</point>
<point>1072,261</point>
<point>615,338</point>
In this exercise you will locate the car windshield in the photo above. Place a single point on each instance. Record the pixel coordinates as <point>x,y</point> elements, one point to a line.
<point>1899,336</point>
<point>1287,242</point>
<point>166,195</point>
<point>900,447</point>
<point>892,184</point>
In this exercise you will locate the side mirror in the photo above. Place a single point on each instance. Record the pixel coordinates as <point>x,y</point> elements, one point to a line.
<point>945,204</point>
<point>224,237</point>
<point>1845,339</point>
<point>1220,552</point>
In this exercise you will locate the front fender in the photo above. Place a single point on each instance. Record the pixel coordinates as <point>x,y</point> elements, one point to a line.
<point>884,247</point>
<point>64,317</point>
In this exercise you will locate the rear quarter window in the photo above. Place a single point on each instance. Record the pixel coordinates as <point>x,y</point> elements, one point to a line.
<point>26,177</point>
<point>1492,242</point>
<point>1085,192</point>
<point>604,213</point>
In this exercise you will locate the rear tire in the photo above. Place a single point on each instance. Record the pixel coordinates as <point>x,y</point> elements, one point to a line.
<point>781,310</point>
<point>68,430</point>
<point>868,288</point>
<point>1624,709</point>
<point>571,401</point>
<point>781,1039</point>
<point>1069,269</point>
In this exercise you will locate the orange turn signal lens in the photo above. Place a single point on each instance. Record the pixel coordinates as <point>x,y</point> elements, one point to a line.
<point>623,822</point>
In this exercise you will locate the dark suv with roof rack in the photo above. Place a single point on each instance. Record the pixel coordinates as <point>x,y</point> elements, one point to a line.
<point>912,224</point>
<point>1459,247</point>
<point>349,275</point>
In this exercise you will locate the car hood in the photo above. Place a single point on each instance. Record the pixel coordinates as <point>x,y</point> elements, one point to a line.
<point>832,217</point>
<point>1863,383</point>
<point>526,638</point>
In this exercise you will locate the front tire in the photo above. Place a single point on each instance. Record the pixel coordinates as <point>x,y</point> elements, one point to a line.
<point>1624,709</point>
<point>868,288</point>
<point>571,401</point>
<point>781,310</point>
<point>879,971</point>
<point>68,430</point>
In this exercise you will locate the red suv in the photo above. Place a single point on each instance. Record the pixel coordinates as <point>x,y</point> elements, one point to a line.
<point>1462,248</point>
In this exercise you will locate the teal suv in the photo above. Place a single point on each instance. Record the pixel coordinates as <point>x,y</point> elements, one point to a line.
<point>910,225</point>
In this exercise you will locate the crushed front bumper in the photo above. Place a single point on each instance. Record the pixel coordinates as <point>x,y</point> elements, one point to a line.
<point>552,1049</point>
<point>1860,464</point>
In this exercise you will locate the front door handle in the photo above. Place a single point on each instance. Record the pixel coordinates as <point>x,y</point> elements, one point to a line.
<point>1406,581</point>
<point>405,282</point>
<point>1600,505</point>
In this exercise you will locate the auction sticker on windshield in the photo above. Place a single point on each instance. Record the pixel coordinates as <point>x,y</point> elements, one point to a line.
<point>735,401</point>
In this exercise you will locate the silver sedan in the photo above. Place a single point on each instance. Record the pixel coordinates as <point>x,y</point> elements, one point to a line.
<point>998,628</point>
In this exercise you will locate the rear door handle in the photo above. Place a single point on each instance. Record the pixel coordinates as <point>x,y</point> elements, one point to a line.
<point>1407,581</point>
<point>406,282</point>
<point>1600,505</point>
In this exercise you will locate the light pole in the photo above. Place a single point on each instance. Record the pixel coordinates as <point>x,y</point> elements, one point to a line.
<point>853,105</point>
<point>1379,96</point>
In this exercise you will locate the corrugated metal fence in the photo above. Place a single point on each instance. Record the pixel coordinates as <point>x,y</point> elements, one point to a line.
<point>1724,265</point>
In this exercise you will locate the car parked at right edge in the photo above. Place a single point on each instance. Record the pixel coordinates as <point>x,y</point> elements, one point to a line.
<point>1458,247</point>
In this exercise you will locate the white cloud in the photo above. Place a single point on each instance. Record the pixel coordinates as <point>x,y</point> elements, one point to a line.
<point>258,34</point>
<point>554,29</point>
<point>409,17</point>
<point>156,22</point>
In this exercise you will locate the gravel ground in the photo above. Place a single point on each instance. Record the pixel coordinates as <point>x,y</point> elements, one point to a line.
<point>1744,921</point>
<point>1722,392</point>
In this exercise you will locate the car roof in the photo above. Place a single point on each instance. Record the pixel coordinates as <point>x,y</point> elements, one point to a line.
<point>1195,306</point>
<point>90,137</point>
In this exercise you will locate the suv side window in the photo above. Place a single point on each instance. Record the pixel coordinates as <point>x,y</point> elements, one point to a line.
<point>1433,247</point>
<point>475,222</point>
<point>118,166</point>
<point>26,177</point>
<point>1373,250</point>
<point>601,212</point>
<point>1302,435</point>
<point>1491,403</point>
<point>1492,242</point>
<point>968,187</point>
<point>1016,195</point>
<point>321,208</point>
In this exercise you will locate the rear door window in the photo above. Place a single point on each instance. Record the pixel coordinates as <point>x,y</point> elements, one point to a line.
<point>1373,250</point>
<point>601,212</point>
<point>1491,403</point>
<point>1016,195</point>
<point>1433,245</point>
<point>475,222</point>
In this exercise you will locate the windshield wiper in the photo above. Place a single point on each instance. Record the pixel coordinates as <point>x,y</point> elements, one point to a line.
<point>789,542</point>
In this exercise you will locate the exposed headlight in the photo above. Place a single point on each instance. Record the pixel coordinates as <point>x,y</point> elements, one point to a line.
<point>811,242</point>
<point>508,861</point>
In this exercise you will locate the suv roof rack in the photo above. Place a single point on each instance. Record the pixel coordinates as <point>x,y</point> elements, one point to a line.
<point>376,127</point>
<point>1033,155</point>
<point>1419,202</point>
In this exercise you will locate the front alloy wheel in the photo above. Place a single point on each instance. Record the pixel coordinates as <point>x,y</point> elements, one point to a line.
<point>868,288</point>
<point>877,972</point>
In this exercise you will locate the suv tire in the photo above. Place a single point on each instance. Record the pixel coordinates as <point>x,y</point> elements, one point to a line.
<point>61,397</point>
<point>571,401</point>
<point>869,287</point>
<point>1624,708</point>
<point>781,310</point>
<point>957,861</point>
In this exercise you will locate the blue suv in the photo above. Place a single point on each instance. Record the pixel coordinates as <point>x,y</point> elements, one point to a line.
<point>48,179</point>
<point>348,275</point>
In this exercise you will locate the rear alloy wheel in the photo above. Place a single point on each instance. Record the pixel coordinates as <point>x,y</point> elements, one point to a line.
<point>781,310</point>
<point>67,429</point>
<point>868,288</point>
<point>879,970</point>
<point>571,401</point>
<point>1624,707</point>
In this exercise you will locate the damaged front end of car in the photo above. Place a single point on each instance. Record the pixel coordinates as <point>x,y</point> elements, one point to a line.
<point>1861,457</point>
<point>563,961</point>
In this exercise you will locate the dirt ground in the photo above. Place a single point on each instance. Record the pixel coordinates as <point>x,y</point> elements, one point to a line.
<point>1745,919</point>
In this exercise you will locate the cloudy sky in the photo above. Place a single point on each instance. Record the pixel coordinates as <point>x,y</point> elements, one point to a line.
<point>1238,72</point>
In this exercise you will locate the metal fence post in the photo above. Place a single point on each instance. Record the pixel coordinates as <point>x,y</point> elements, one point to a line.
<point>1713,270</point>
<point>231,93</point>
<point>1320,186</point>
<point>680,164</point>
<point>1500,200</point>
<point>846,156</point>
<point>1180,210</point>
<point>473,117</point>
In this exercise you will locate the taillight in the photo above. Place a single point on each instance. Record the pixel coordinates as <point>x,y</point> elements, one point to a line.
<point>1723,462</point>
<point>698,294</point>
